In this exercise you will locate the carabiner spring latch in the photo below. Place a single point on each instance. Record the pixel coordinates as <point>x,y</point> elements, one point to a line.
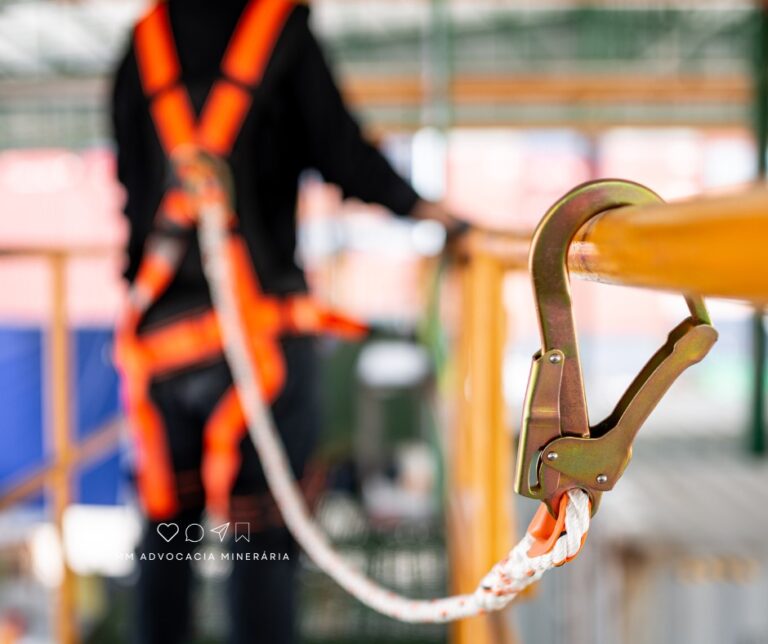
<point>558,449</point>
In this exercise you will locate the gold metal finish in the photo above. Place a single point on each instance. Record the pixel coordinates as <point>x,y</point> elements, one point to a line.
<point>599,461</point>
<point>558,449</point>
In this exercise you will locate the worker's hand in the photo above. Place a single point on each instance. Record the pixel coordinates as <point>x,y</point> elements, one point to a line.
<point>455,227</point>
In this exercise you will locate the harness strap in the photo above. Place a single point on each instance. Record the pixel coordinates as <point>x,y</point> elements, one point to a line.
<point>255,36</point>
<point>230,98</point>
<point>159,67</point>
<point>197,339</point>
<point>223,433</point>
<point>216,131</point>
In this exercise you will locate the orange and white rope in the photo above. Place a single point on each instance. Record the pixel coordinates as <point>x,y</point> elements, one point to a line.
<point>505,580</point>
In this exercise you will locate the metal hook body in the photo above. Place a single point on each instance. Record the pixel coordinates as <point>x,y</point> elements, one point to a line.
<point>558,449</point>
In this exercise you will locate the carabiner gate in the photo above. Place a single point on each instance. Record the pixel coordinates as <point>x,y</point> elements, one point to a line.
<point>558,449</point>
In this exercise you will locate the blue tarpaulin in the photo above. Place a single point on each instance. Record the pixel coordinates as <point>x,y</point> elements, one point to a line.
<point>23,391</point>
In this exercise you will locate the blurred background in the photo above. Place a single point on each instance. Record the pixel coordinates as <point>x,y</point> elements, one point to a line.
<point>500,106</point>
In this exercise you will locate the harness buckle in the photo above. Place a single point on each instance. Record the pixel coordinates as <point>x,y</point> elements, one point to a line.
<point>558,449</point>
<point>203,175</point>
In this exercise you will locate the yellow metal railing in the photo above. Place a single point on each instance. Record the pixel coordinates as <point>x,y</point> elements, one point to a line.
<point>714,246</point>
<point>66,454</point>
<point>480,455</point>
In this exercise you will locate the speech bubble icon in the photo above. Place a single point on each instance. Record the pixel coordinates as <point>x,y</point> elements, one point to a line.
<point>189,533</point>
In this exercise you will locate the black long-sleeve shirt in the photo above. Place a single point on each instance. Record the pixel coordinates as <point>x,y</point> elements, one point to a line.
<point>297,121</point>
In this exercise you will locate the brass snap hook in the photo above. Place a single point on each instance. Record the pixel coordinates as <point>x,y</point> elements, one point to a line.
<point>558,449</point>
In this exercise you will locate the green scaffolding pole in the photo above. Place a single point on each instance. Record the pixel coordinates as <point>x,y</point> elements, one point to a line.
<point>757,437</point>
<point>440,66</point>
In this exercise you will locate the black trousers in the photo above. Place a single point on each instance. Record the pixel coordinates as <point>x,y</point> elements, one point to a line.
<point>261,590</point>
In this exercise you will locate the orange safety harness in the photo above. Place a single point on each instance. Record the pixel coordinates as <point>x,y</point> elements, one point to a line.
<point>196,338</point>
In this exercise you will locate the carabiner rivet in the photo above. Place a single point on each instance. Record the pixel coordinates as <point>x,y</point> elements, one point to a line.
<point>555,358</point>
<point>552,456</point>
<point>602,479</point>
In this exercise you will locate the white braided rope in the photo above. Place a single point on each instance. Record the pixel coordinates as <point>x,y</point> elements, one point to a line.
<point>504,581</point>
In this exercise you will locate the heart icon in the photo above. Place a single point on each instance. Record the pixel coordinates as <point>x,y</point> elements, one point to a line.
<point>167,531</point>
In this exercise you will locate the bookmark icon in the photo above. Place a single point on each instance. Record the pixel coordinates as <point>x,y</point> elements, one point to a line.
<point>242,531</point>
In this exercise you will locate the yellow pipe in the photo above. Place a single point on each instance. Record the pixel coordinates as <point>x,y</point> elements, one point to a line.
<point>61,441</point>
<point>481,518</point>
<point>714,246</point>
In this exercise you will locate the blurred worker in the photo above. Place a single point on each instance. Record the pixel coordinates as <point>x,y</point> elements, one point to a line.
<point>246,82</point>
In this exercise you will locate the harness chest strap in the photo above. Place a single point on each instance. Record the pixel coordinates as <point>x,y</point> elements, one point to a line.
<point>230,98</point>
<point>177,126</point>
<point>197,338</point>
<point>242,67</point>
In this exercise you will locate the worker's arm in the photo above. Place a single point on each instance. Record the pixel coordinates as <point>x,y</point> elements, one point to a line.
<point>454,225</point>
<point>122,107</point>
<point>336,145</point>
<point>127,116</point>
